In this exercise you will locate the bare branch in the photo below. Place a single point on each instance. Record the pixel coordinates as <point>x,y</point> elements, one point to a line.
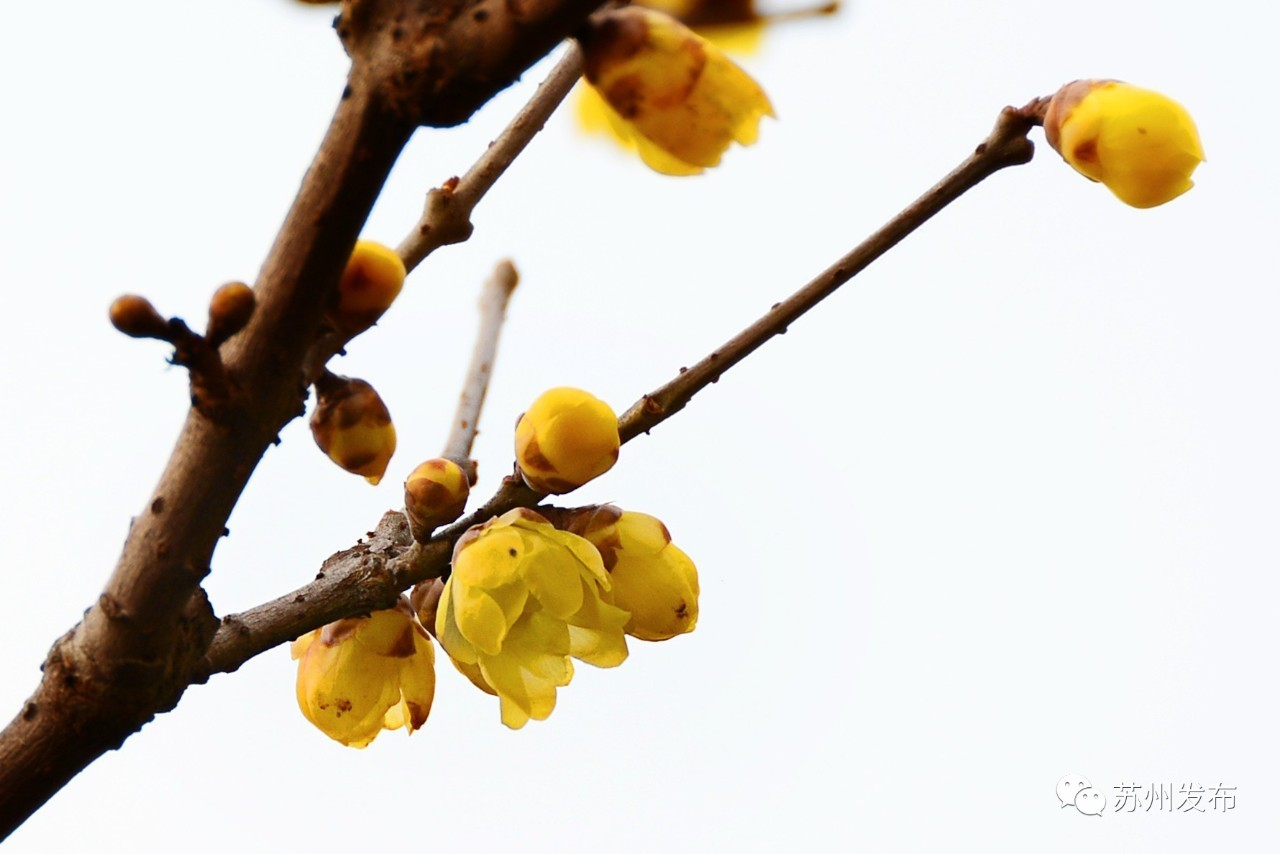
<point>1006,146</point>
<point>447,218</point>
<point>493,311</point>
<point>353,583</point>
<point>145,639</point>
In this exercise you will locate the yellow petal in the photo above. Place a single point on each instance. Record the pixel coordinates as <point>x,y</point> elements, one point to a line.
<point>684,100</point>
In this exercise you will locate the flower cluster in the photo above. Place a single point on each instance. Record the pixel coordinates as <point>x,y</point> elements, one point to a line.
<point>523,597</point>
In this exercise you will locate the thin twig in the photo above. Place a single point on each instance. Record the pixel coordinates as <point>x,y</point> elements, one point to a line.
<point>359,580</point>
<point>493,311</point>
<point>1006,146</point>
<point>447,217</point>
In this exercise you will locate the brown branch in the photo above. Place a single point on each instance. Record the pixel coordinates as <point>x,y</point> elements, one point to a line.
<point>145,639</point>
<point>447,217</point>
<point>1007,145</point>
<point>493,311</point>
<point>358,581</point>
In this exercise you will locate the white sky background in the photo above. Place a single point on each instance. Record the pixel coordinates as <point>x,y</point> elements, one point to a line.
<point>1002,510</point>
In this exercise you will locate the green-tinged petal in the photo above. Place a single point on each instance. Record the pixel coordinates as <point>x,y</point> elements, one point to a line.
<point>523,694</point>
<point>539,643</point>
<point>596,632</point>
<point>485,616</point>
<point>551,572</point>
<point>458,647</point>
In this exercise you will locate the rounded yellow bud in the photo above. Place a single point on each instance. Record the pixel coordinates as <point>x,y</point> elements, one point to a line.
<point>136,317</point>
<point>370,283</point>
<point>229,310</point>
<point>567,438</point>
<point>352,425</point>
<point>652,579</point>
<point>672,94</point>
<point>1140,144</point>
<point>435,494</point>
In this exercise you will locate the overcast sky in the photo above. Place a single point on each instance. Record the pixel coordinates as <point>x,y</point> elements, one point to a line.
<point>1002,510</point>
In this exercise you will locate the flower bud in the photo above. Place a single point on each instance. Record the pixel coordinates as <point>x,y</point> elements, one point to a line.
<point>435,494</point>
<point>352,425</point>
<point>370,284</point>
<point>361,675</point>
<point>229,310</point>
<point>1140,144</point>
<point>652,579</point>
<point>567,438</point>
<point>136,317</point>
<point>672,94</point>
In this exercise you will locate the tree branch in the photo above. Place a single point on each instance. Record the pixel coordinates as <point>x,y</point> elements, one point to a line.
<point>493,311</point>
<point>447,217</point>
<point>433,62</point>
<point>364,579</point>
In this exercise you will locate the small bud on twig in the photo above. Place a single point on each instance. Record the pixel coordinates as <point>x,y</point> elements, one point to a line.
<point>435,494</point>
<point>136,317</point>
<point>229,311</point>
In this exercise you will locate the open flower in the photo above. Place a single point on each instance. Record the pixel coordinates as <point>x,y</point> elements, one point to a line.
<point>672,94</point>
<point>566,438</point>
<point>521,599</point>
<point>1140,144</point>
<point>652,579</point>
<point>361,675</point>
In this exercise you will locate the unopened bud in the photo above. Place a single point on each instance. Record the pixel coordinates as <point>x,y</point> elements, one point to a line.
<point>370,283</point>
<point>435,494</point>
<point>567,438</point>
<point>229,310</point>
<point>352,425</point>
<point>136,317</point>
<point>1140,144</point>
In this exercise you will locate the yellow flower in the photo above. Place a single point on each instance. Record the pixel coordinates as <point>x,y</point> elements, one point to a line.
<point>359,676</point>
<point>652,579</point>
<point>435,494</point>
<point>672,94</point>
<point>352,425</point>
<point>372,280</point>
<point>1140,144</point>
<point>567,438</point>
<point>521,599</point>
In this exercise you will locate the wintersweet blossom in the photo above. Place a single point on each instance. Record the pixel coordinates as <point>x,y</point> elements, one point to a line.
<point>671,93</point>
<point>521,599</point>
<point>1140,144</point>
<point>370,283</point>
<point>361,675</point>
<point>652,579</point>
<point>352,425</point>
<point>566,438</point>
